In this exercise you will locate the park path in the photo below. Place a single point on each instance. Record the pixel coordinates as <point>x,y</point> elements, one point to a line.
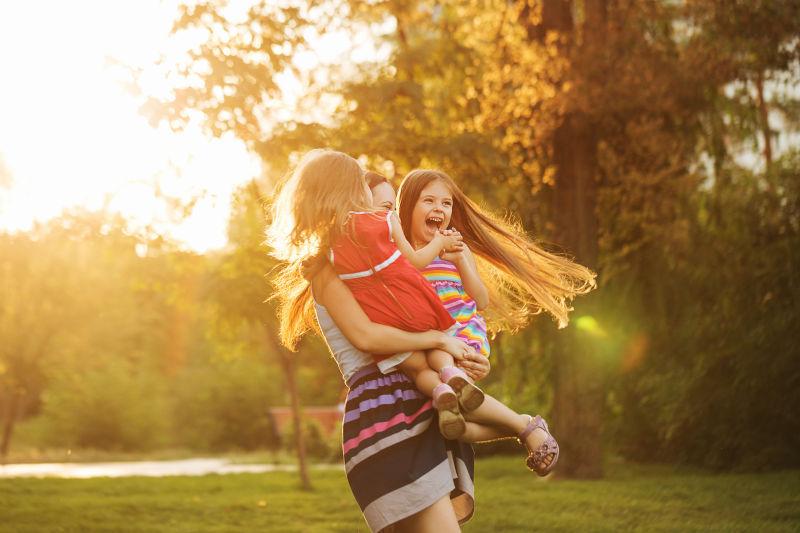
<point>184,467</point>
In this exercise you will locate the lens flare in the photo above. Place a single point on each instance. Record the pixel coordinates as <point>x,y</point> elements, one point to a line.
<point>591,326</point>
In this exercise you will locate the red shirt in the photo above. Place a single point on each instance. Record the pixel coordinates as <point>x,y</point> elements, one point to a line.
<point>390,290</point>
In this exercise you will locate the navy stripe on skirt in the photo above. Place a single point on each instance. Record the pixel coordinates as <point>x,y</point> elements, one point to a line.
<point>397,463</point>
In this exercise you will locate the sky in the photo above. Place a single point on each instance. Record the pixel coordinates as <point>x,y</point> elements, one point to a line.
<point>71,133</point>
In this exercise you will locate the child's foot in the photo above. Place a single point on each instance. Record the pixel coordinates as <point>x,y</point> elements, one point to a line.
<point>542,447</point>
<point>470,397</point>
<point>451,422</point>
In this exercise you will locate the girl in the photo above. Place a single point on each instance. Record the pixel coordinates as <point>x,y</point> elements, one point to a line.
<point>525,278</point>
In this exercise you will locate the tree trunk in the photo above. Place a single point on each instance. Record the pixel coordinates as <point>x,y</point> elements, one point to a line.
<point>288,364</point>
<point>10,414</point>
<point>579,384</point>
<point>290,375</point>
<point>763,112</point>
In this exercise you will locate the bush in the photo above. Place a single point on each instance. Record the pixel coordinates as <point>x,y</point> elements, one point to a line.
<point>116,407</point>
<point>225,405</point>
<point>719,385</point>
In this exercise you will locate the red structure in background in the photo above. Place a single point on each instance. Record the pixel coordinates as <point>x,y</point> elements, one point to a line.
<point>328,417</point>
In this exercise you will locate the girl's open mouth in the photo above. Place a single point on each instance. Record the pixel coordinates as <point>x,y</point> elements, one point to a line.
<point>434,222</point>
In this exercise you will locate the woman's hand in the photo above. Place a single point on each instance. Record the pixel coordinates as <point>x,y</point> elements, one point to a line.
<point>476,366</point>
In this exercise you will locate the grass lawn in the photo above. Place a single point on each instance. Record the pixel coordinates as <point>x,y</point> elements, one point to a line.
<point>509,499</point>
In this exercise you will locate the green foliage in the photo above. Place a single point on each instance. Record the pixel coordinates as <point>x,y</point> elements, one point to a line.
<point>118,407</point>
<point>58,301</point>
<point>722,381</point>
<point>239,58</point>
<point>657,104</point>
<point>119,342</point>
<point>225,404</point>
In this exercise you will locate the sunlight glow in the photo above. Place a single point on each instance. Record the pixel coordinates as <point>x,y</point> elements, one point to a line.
<point>71,134</point>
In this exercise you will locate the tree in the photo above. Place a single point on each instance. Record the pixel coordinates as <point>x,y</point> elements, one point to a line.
<point>611,127</point>
<point>31,315</point>
<point>240,288</point>
<point>55,286</point>
<point>229,82</point>
<point>752,45</point>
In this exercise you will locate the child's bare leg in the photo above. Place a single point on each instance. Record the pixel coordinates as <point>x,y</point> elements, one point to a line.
<point>482,433</point>
<point>416,368</point>
<point>494,413</point>
<point>506,421</point>
<point>438,359</point>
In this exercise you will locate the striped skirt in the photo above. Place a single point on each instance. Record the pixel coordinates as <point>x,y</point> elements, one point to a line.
<point>397,463</point>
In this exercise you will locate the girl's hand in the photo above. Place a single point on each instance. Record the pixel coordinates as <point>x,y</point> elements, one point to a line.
<point>451,242</point>
<point>453,233</point>
<point>455,347</point>
<point>476,366</point>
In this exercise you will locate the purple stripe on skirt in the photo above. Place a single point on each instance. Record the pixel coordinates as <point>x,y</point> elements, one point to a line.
<point>364,371</point>
<point>377,383</point>
<point>383,399</point>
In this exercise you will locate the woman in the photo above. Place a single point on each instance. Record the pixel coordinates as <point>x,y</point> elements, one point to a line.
<point>404,475</point>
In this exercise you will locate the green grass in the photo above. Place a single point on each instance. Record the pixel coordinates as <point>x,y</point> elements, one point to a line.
<point>632,498</point>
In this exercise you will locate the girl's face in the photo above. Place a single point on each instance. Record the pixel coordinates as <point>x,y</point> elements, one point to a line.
<point>431,213</point>
<point>383,196</point>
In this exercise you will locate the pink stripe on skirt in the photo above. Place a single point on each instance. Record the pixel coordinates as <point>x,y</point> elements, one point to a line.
<point>383,426</point>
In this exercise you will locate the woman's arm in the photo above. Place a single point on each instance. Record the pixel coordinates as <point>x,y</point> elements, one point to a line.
<point>367,336</point>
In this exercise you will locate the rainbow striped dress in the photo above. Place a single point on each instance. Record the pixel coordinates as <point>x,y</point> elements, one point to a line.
<point>446,281</point>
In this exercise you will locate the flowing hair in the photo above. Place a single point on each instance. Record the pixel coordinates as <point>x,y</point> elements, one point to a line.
<point>309,213</point>
<point>521,276</point>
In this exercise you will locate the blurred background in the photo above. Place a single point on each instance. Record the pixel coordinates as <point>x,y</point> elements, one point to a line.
<point>655,141</point>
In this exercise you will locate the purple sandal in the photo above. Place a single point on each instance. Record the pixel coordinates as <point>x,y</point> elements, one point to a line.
<point>470,397</point>
<point>549,446</point>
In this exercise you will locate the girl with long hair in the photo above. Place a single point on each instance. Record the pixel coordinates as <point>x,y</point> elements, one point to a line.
<point>523,278</point>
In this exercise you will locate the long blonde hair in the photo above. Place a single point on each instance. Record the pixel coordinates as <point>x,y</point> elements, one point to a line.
<point>308,214</point>
<point>521,276</point>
